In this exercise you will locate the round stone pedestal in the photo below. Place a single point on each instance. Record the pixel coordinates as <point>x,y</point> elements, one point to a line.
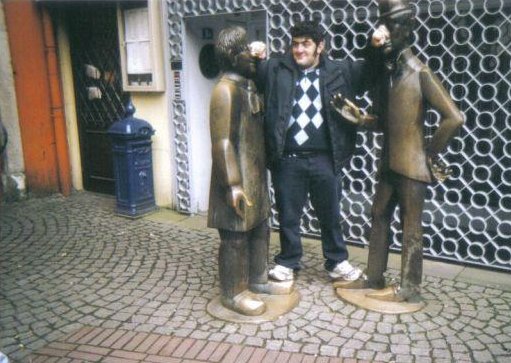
<point>358,297</point>
<point>276,305</point>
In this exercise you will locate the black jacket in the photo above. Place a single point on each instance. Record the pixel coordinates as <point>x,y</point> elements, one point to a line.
<point>276,77</point>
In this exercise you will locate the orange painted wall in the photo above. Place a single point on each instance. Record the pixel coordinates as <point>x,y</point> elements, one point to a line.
<point>26,42</point>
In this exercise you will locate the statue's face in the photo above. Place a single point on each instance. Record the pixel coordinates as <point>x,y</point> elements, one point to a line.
<point>306,52</point>
<point>245,64</point>
<point>400,29</point>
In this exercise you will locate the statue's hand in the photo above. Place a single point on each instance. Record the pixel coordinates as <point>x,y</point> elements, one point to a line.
<point>346,108</point>
<point>380,36</point>
<point>438,168</point>
<point>337,102</point>
<point>368,120</point>
<point>258,50</point>
<point>351,112</point>
<point>236,196</point>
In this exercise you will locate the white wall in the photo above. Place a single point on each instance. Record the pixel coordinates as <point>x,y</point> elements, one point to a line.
<point>197,94</point>
<point>66,72</point>
<point>153,108</point>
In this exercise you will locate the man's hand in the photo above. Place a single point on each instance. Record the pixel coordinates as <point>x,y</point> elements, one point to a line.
<point>380,36</point>
<point>235,197</point>
<point>258,50</point>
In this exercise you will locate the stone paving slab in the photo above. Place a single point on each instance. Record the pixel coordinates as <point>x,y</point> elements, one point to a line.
<point>70,263</point>
<point>111,345</point>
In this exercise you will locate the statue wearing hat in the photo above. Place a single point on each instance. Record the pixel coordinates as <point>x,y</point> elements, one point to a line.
<point>408,163</point>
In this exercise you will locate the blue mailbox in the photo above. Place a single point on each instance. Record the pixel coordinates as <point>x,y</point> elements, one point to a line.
<point>133,164</point>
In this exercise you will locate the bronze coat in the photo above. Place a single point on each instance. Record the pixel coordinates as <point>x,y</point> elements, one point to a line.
<point>238,154</point>
<point>405,150</point>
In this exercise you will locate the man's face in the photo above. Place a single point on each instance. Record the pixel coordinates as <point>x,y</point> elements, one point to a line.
<point>245,64</point>
<point>306,52</point>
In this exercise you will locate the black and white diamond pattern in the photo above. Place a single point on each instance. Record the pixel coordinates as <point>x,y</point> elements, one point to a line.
<point>307,106</point>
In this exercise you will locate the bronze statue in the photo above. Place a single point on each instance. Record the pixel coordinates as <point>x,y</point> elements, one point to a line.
<point>239,204</point>
<point>408,163</point>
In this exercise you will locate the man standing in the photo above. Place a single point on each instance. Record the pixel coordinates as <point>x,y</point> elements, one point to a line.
<point>239,203</point>
<point>407,163</point>
<point>307,143</point>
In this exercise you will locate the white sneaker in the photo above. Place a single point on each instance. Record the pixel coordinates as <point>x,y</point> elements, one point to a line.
<point>281,273</point>
<point>345,271</point>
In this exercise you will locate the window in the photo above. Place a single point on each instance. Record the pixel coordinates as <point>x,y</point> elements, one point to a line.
<point>140,45</point>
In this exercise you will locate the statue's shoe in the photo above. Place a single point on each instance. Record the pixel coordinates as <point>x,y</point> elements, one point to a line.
<point>389,293</point>
<point>274,287</point>
<point>245,303</point>
<point>394,293</point>
<point>360,283</point>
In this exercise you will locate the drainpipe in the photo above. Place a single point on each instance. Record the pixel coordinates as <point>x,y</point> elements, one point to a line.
<point>57,105</point>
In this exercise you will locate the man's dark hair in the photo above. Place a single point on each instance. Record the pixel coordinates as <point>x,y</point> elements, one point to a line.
<point>308,29</point>
<point>230,42</point>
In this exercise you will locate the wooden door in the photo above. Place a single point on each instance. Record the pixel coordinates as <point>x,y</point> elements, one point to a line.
<point>98,88</point>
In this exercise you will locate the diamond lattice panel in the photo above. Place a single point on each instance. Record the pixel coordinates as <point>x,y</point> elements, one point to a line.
<point>466,42</point>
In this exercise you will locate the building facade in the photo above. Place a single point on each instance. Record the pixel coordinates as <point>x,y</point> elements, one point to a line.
<point>98,44</point>
<point>465,42</point>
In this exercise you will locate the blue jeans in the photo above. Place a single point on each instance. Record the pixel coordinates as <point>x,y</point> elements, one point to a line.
<point>293,179</point>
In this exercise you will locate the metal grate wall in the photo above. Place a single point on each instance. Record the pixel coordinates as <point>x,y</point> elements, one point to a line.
<point>467,43</point>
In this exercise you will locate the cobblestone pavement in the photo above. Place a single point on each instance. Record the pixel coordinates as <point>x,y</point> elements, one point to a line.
<point>70,263</point>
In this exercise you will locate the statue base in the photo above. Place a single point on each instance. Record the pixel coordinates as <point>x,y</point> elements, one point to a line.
<point>276,306</point>
<point>358,297</point>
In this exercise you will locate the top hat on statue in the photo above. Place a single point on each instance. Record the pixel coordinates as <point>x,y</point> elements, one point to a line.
<point>392,7</point>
